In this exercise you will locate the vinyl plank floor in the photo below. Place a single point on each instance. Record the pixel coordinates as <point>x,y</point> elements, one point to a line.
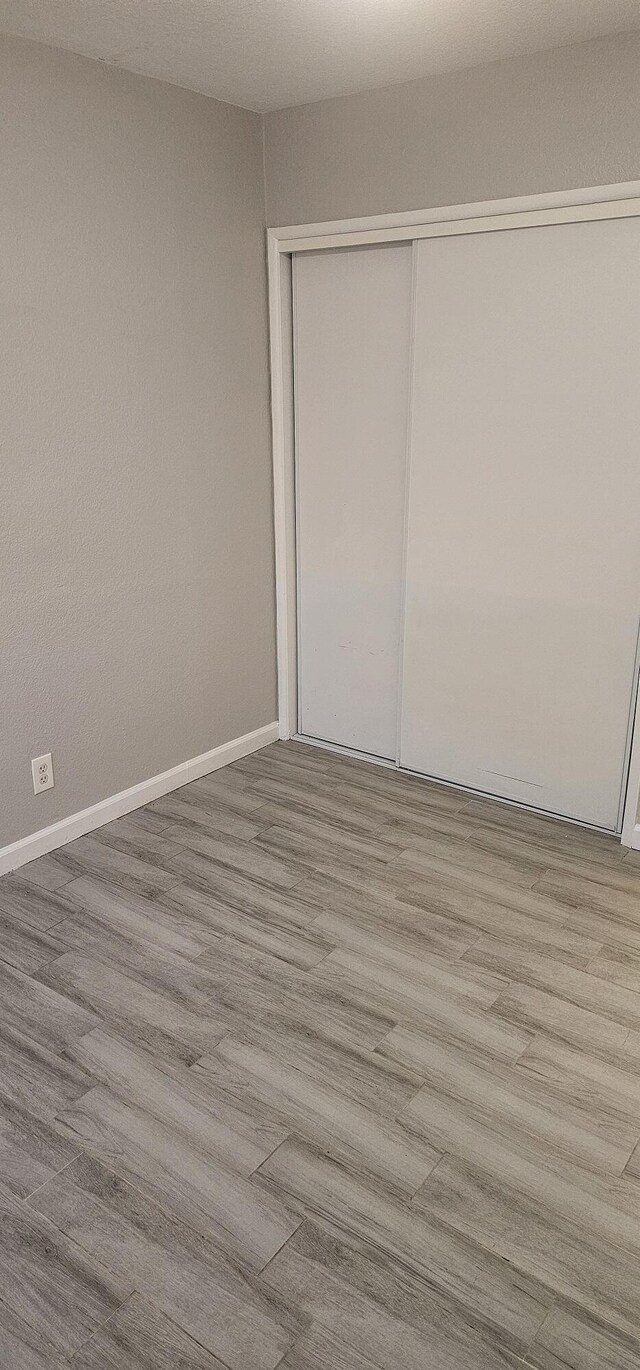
<point>38,908</point>
<point>34,1084</point>
<point>603,925</point>
<point>395,969</point>
<point>514,1106</point>
<point>147,819</point>
<point>133,867</point>
<point>544,1010</point>
<point>275,994</point>
<point>35,1077</point>
<point>584,987</point>
<point>114,908</point>
<point>366,1077</point>
<point>241,1138</point>
<point>379,1311</point>
<point>316,1066</point>
<point>319,1348</point>
<point>54,1296</point>
<point>24,947</point>
<point>510,869</point>
<point>484,1284</point>
<point>602,1082</point>
<point>228,786</point>
<point>230,853</point>
<point>167,1166</point>
<point>46,872</point>
<point>139,1336</point>
<point>129,837</point>
<point>299,801</point>
<point>448,918</point>
<point>16,1349</point>
<point>427,1005</point>
<point>325,847</point>
<point>570,1342</point>
<point>404,929</point>
<point>484,903</point>
<point>239,908</point>
<point>563,839</point>
<point>614,963</point>
<point>330,1119</point>
<point>51,1018</point>
<point>142,1014</point>
<point>596,1277</point>
<point>313,816</point>
<point>206,813</point>
<point>165,1260</point>
<point>605,1209</point>
<point>618,896</point>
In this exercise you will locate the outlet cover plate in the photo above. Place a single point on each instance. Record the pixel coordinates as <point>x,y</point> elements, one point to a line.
<point>42,773</point>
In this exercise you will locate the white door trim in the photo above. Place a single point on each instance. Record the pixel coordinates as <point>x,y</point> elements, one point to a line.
<point>598,202</point>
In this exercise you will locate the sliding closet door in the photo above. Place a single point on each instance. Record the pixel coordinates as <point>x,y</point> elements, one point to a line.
<point>351,344</point>
<point>523,575</point>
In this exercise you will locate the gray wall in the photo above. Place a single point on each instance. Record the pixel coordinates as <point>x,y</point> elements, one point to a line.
<point>554,121</point>
<point>136,577</point>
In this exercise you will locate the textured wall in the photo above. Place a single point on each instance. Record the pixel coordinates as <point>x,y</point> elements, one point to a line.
<point>136,576</point>
<point>554,121</point>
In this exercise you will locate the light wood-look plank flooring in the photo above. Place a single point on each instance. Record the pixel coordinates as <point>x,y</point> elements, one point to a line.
<point>313,1065</point>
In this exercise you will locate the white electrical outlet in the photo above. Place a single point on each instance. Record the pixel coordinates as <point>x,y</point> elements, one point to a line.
<point>42,773</point>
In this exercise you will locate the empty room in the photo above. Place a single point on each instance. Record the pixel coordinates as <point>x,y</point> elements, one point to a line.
<point>319,683</point>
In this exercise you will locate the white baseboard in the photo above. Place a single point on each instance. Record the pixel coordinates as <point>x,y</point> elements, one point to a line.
<point>635,838</point>
<point>77,824</point>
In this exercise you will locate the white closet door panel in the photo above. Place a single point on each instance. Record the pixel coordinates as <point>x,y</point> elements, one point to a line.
<point>352,343</point>
<point>523,573</point>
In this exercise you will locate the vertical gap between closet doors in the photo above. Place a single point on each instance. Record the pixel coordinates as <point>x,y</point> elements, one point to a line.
<point>407,483</point>
<point>296,490</point>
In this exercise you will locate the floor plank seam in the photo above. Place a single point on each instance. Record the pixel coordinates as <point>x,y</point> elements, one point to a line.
<point>26,1198</point>
<point>100,1328</point>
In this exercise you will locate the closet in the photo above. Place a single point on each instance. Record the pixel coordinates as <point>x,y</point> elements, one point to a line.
<point>467,416</point>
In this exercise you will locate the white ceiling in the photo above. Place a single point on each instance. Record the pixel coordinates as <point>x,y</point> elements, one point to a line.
<point>265,54</point>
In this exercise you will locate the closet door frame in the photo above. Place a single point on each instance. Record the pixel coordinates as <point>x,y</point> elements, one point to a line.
<point>602,202</point>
